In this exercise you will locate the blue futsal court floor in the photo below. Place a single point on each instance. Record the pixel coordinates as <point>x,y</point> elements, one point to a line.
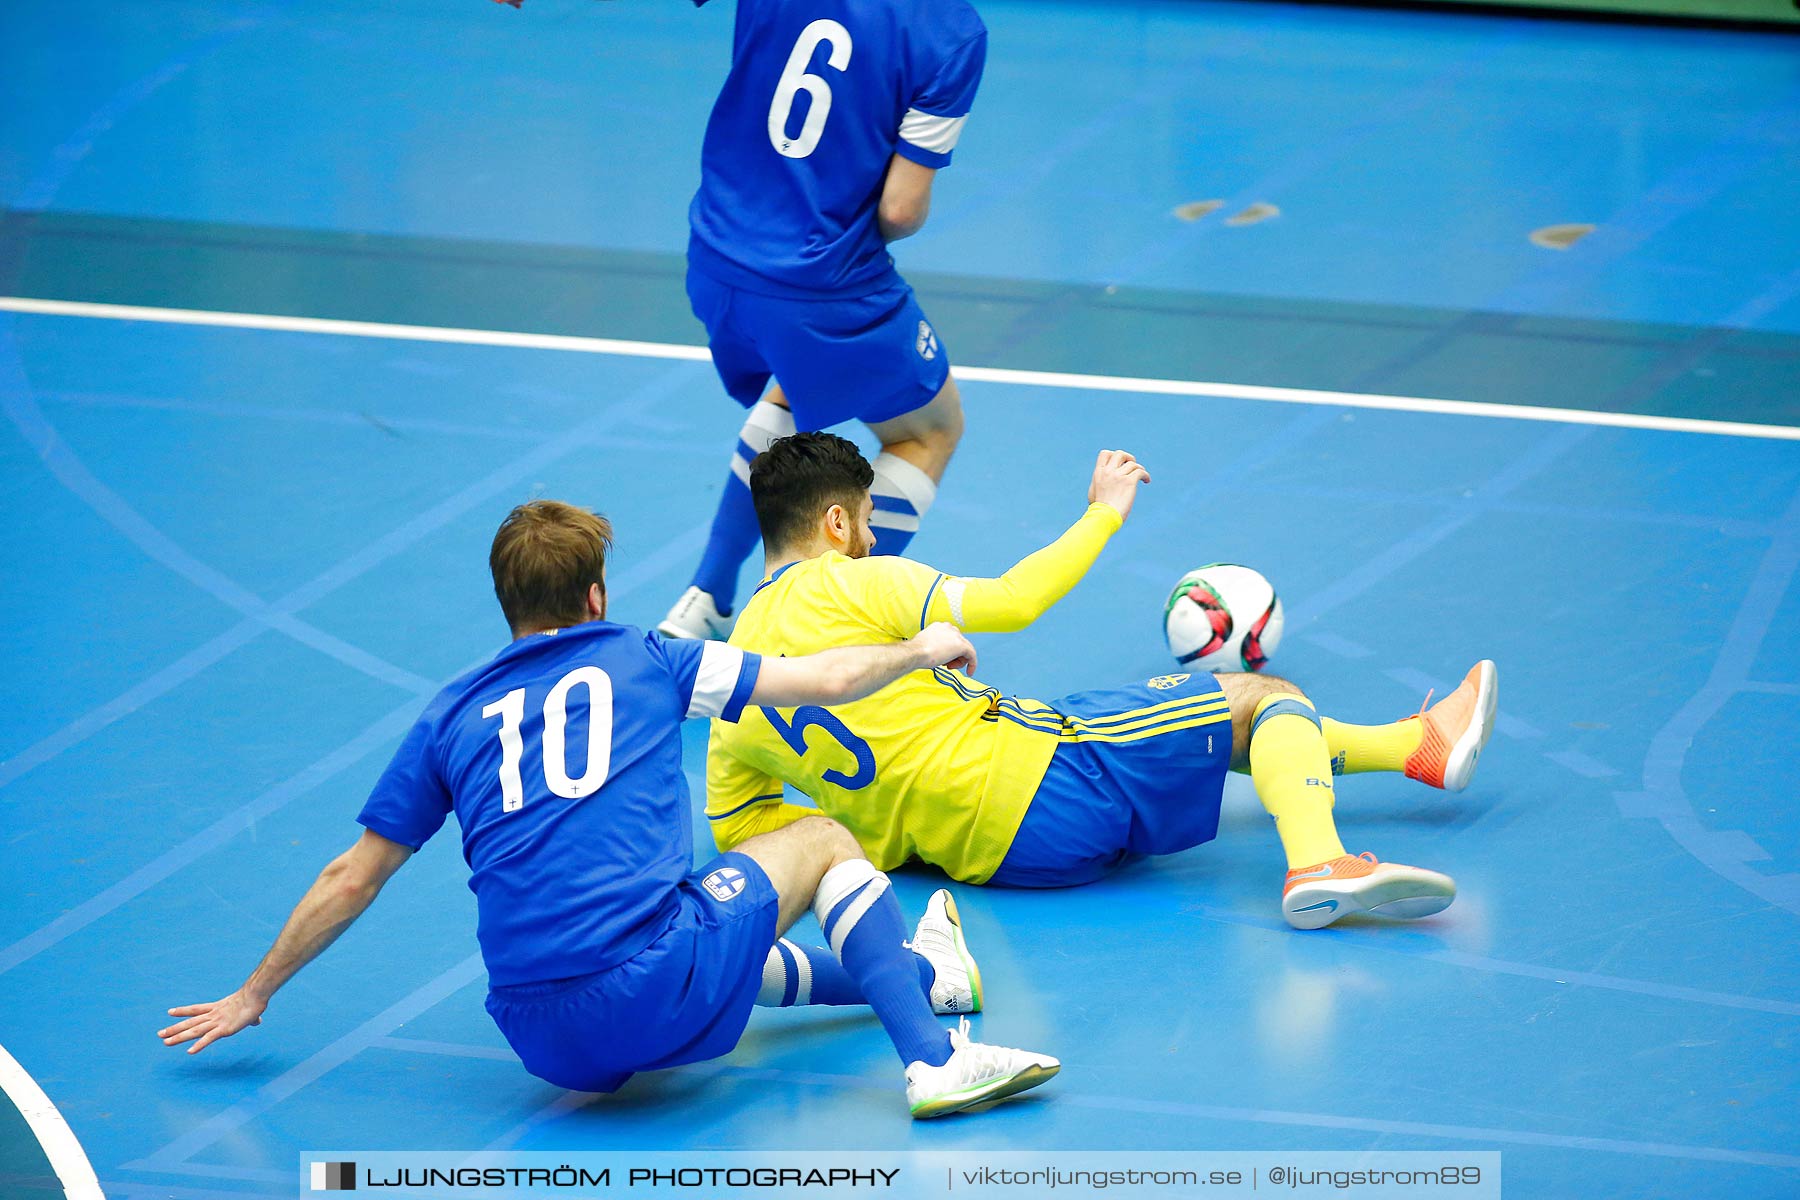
<point>239,558</point>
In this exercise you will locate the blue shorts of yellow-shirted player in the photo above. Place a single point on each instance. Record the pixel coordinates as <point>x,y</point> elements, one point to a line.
<point>1155,787</point>
<point>821,151</point>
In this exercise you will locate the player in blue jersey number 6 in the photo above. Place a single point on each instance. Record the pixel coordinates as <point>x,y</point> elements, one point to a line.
<point>821,150</point>
<point>606,952</point>
<point>834,120</point>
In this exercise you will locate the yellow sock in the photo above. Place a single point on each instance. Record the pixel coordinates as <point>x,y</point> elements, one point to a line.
<point>1291,767</point>
<point>1359,748</point>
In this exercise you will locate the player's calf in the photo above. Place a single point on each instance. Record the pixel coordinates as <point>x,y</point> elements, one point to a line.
<point>1291,765</point>
<point>915,451</point>
<point>704,610</point>
<point>1439,746</point>
<point>816,858</point>
<point>796,975</point>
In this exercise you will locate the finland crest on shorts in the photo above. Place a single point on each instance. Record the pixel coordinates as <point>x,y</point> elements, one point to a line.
<point>927,344</point>
<point>724,883</point>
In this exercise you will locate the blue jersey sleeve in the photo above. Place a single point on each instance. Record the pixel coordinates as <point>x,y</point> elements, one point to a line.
<point>410,801</point>
<point>934,121</point>
<point>714,679</point>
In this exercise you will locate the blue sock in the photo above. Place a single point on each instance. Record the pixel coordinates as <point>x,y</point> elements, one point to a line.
<point>734,530</point>
<point>799,975</point>
<point>861,919</point>
<point>902,495</point>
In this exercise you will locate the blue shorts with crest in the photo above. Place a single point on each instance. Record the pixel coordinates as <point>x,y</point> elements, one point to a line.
<point>1140,770</point>
<point>865,358</point>
<point>684,998</point>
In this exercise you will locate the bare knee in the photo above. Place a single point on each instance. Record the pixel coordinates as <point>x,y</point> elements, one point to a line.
<point>1275,685</point>
<point>948,430</point>
<point>1245,692</point>
<point>931,452</point>
<point>796,857</point>
<point>927,436</point>
<point>831,842</point>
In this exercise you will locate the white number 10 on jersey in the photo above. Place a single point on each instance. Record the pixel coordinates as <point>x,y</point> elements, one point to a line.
<point>510,708</point>
<point>796,79</point>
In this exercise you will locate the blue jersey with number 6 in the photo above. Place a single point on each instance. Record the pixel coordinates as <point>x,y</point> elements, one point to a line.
<point>821,95</point>
<point>561,758</point>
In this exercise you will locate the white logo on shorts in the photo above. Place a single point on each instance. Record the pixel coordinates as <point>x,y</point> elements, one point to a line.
<point>724,883</point>
<point>927,342</point>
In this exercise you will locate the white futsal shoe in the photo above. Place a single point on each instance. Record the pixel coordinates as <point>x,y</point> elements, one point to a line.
<point>939,937</point>
<point>976,1074</point>
<point>695,617</point>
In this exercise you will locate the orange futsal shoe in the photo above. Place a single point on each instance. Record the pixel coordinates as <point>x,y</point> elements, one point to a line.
<point>1316,896</point>
<point>1456,728</point>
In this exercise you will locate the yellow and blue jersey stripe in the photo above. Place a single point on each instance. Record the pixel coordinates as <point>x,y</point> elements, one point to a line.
<point>955,762</point>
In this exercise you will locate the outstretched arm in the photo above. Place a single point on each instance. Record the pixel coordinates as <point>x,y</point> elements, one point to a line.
<point>852,672</point>
<point>344,889</point>
<point>1038,581</point>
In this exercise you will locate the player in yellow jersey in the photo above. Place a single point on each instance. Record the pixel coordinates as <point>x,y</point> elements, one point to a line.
<point>998,789</point>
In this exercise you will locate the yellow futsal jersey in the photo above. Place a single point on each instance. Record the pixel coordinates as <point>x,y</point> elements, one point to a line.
<point>936,765</point>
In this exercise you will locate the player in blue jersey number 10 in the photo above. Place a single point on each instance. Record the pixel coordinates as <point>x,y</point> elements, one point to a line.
<point>606,952</point>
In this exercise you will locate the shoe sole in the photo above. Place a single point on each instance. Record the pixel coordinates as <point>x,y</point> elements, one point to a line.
<point>962,952</point>
<point>1459,765</point>
<point>1404,896</point>
<point>989,1093</point>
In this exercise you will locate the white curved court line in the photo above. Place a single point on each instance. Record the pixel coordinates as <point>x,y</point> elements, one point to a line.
<point>1055,379</point>
<point>66,1156</point>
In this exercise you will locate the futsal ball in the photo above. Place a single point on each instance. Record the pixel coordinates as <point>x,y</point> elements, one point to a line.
<point>1223,617</point>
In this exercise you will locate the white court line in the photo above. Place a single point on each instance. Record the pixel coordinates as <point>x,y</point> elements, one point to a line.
<point>367,329</point>
<point>1055,379</point>
<point>66,1156</point>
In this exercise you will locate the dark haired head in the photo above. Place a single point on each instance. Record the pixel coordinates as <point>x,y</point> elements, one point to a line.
<point>796,481</point>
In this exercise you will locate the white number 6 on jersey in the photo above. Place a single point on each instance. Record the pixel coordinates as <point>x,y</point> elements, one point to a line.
<point>796,78</point>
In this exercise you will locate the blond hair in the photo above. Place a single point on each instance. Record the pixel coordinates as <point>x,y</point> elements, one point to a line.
<point>546,555</point>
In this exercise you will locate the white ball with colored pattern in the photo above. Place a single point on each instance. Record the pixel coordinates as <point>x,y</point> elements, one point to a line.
<point>1223,617</point>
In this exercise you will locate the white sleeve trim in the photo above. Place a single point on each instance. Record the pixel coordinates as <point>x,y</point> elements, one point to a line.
<point>936,134</point>
<point>720,667</point>
<point>953,592</point>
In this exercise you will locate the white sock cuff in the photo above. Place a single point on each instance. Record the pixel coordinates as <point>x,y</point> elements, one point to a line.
<point>765,423</point>
<point>774,979</point>
<point>839,882</point>
<point>784,957</point>
<point>908,492</point>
